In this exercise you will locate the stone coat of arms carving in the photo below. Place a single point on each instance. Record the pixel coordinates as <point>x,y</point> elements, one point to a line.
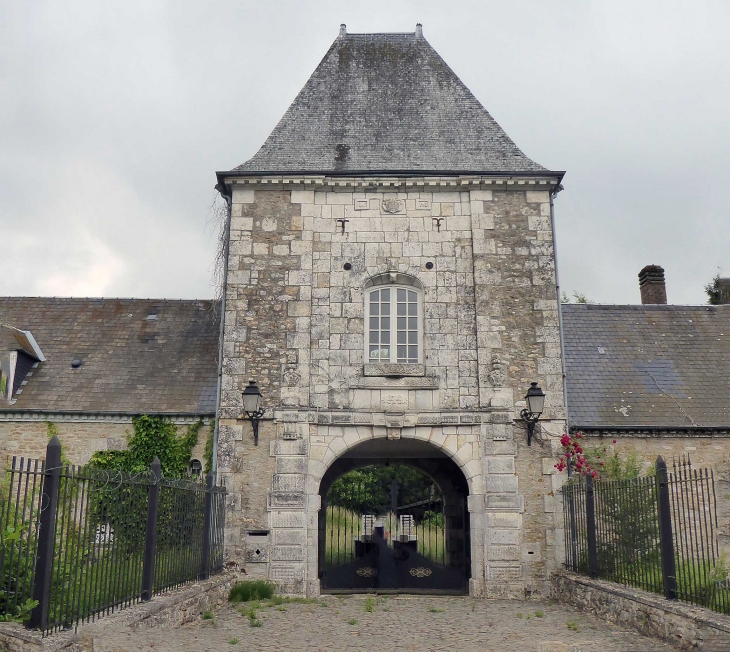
<point>393,205</point>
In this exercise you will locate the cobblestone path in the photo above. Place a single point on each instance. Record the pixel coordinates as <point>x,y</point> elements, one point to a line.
<point>385,624</point>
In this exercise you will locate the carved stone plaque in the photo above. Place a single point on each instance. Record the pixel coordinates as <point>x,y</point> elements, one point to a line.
<point>393,205</point>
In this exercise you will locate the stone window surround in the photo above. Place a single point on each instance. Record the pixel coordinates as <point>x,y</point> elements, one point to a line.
<point>394,280</point>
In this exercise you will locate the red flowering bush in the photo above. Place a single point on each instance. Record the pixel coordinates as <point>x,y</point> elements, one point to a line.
<point>574,455</point>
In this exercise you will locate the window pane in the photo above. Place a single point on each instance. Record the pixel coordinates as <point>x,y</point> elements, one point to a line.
<point>385,353</point>
<point>413,352</point>
<point>373,337</point>
<point>385,337</point>
<point>373,308</point>
<point>401,295</point>
<point>373,323</point>
<point>401,308</point>
<point>412,323</point>
<point>385,323</point>
<point>401,323</point>
<point>401,337</point>
<point>412,296</point>
<point>402,352</point>
<point>385,295</point>
<point>412,309</point>
<point>385,309</point>
<point>412,337</point>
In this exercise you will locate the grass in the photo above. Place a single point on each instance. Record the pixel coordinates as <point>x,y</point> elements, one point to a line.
<point>233,641</point>
<point>208,615</point>
<point>519,615</point>
<point>370,605</point>
<point>251,590</point>
<point>343,526</point>
<point>352,621</point>
<point>539,614</point>
<point>434,610</point>
<point>572,625</point>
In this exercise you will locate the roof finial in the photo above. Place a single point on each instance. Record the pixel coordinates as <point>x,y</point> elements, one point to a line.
<point>419,30</point>
<point>343,29</point>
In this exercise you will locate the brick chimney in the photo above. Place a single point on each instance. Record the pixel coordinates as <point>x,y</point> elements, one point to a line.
<point>723,291</point>
<point>651,284</point>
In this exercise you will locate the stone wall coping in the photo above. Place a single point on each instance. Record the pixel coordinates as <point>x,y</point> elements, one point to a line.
<point>14,636</point>
<point>699,616</point>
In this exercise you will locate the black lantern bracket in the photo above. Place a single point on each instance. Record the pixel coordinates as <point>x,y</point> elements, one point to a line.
<point>254,418</point>
<point>252,408</point>
<point>535,400</point>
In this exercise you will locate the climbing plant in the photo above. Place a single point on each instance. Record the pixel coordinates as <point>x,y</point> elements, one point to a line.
<point>208,450</point>
<point>152,437</point>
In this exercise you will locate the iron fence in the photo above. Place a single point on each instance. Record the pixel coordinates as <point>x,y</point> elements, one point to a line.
<point>84,542</point>
<point>656,533</point>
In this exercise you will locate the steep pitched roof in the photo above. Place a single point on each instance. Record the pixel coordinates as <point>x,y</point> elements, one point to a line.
<point>387,102</point>
<point>137,355</point>
<point>665,366</point>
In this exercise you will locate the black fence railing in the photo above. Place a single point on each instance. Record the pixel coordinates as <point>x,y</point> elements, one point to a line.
<point>84,542</point>
<point>656,533</point>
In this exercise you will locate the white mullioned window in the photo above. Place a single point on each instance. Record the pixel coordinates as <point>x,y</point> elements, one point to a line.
<point>394,325</point>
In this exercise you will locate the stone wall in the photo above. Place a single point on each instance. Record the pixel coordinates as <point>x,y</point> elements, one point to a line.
<point>683,626</point>
<point>302,251</point>
<point>79,439</point>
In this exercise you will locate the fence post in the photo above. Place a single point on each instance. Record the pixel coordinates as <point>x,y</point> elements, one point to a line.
<point>46,536</point>
<point>666,540</point>
<point>207,529</point>
<point>148,570</point>
<point>591,527</point>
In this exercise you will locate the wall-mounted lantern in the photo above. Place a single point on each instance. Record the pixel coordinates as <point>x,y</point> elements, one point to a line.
<point>252,408</point>
<point>535,400</point>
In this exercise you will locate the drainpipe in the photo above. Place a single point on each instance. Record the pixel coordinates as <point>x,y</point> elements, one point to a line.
<point>557,189</point>
<point>221,188</point>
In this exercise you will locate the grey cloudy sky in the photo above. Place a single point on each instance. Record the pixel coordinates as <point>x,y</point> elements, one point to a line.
<point>114,117</point>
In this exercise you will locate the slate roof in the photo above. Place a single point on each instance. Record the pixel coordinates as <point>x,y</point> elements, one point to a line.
<point>649,365</point>
<point>386,102</point>
<point>129,363</point>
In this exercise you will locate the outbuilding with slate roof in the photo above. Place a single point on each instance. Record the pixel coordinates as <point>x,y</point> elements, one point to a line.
<point>90,365</point>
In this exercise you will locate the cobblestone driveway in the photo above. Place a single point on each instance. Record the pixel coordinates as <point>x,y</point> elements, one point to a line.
<point>396,623</point>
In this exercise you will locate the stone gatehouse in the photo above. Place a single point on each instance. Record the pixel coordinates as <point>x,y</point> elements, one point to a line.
<point>387,190</point>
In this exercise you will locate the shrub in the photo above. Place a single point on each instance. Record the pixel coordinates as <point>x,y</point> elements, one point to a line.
<point>251,590</point>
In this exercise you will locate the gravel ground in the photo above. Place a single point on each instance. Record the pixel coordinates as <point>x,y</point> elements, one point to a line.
<point>388,623</point>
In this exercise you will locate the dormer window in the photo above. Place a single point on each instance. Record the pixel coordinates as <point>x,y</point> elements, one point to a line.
<point>19,352</point>
<point>394,320</point>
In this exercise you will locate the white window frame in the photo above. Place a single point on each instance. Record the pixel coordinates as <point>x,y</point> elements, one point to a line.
<point>393,359</point>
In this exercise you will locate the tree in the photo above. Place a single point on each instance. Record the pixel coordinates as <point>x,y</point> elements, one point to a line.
<point>712,290</point>
<point>578,297</point>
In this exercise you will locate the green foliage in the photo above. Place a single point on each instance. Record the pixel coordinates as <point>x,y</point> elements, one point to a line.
<point>208,450</point>
<point>367,490</point>
<point>17,575</point>
<point>369,604</point>
<point>578,297</point>
<point>152,437</point>
<point>712,289</point>
<point>251,590</point>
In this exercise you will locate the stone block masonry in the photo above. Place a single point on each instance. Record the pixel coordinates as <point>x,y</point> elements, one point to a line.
<point>479,252</point>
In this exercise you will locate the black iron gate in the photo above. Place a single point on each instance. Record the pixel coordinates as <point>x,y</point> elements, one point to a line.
<point>391,528</point>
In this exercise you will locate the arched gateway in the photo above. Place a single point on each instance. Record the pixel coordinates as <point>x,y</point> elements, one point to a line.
<point>394,517</point>
<point>391,287</point>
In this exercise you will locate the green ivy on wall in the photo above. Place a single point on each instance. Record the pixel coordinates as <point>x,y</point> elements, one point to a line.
<point>152,437</point>
<point>208,451</point>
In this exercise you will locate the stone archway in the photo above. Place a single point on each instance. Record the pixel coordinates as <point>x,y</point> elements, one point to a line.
<point>454,463</point>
